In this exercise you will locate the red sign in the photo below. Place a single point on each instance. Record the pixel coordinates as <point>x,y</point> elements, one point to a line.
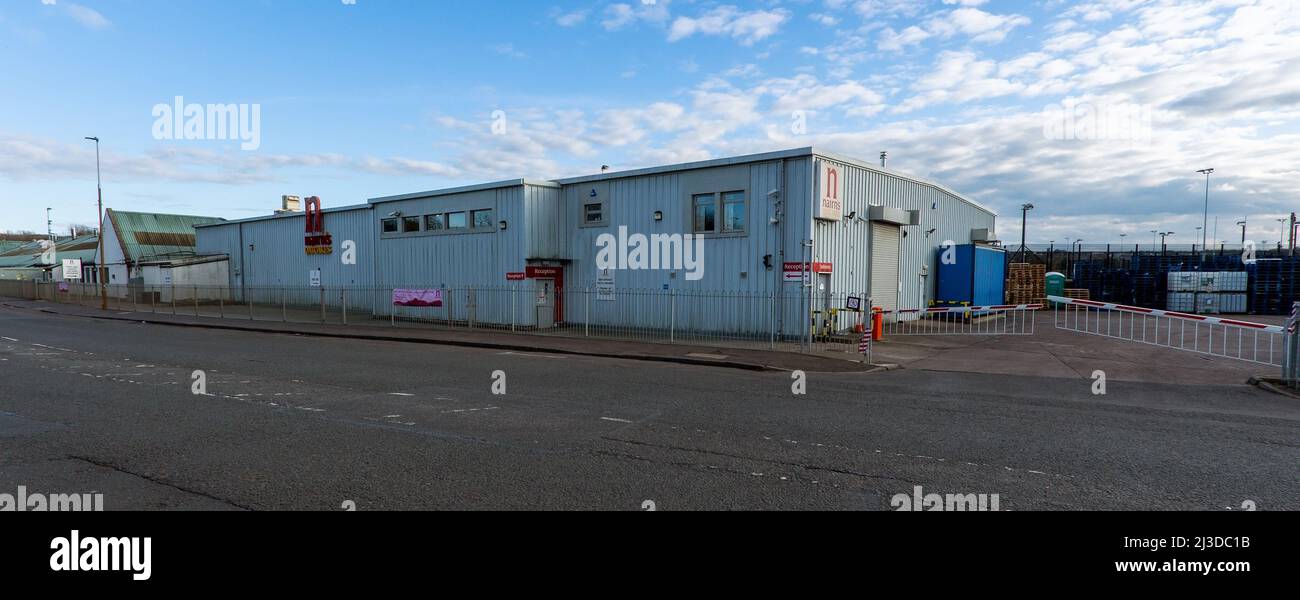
<point>543,272</point>
<point>516,276</point>
<point>817,267</point>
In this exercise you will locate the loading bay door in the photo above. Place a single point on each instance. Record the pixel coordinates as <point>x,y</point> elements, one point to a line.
<point>885,239</point>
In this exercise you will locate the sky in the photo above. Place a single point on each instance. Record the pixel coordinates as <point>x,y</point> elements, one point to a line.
<point>1099,113</point>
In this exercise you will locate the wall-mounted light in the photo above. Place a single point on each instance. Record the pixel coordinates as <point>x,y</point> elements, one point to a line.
<point>659,215</point>
<point>503,225</point>
<point>395,214</point>
<point>853,214</point>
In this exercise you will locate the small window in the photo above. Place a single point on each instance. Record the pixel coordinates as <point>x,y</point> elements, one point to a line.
<point>593,213</point>
<point>706,211</point>
<point>435,222</point>
<point>456,220</point>
<point>390,225</point>
<point>733,211</point>
<point>410,224</point>
<point>482,218</point>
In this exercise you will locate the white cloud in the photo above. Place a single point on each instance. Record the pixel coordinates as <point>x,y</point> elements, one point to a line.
<point>618,16</point>
<point>87,17</point>
<point>976,24</point>
<point>746,26</point>
<point>509,51</point>
<point>570,19</point>
<point>894,41</point>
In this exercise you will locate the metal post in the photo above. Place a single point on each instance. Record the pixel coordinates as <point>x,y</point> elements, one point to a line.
<point>221,304</point>
<point>586,328</point>
<point>284,306</point>
<point>771,323</point>
<point>514,306</point>
<point>171,289</point>
<point>345,306</point>
<point>196,300</point>
<point>322,305</point>
<point>248,297</point>
<point>672,316</point>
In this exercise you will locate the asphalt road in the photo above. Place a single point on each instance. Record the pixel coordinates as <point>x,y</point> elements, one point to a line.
<point>292,422</point>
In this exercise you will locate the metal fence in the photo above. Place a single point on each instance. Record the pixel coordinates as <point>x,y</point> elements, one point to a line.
<point>1013,319</point>
<point>797,321</point>
<point>1214,336</point>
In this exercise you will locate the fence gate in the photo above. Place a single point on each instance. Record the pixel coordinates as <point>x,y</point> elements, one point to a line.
<point>1003,319</point>
<point>1214,336</point>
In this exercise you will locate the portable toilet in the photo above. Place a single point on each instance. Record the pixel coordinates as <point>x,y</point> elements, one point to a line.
<point>1055,285</point>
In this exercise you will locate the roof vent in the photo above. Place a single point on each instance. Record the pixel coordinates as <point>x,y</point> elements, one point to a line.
<point>289,204</point>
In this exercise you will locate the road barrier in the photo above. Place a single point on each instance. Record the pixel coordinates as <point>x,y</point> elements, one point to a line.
<point>1214,336</point>
<point>1002,319</point>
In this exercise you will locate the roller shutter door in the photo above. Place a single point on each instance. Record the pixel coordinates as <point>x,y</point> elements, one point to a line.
<point>885,240</point>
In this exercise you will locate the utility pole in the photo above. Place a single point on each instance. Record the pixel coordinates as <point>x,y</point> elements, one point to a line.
<point>103,268</point>
<point>49,224</point>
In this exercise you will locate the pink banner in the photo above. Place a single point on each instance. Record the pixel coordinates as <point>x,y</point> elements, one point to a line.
<point>417,298</point>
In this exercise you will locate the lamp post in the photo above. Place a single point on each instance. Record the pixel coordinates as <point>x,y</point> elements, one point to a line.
<point>1205,218</point>
<point>1154,233</point>
<point>1024,210</point>
<point>103,268</point>
<point>1281,232</point>
<point>1242,222</point>
<point>1163,234</point>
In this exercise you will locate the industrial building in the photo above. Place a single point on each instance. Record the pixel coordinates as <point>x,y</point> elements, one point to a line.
<point>140,249</point>
<point>762,222</point>
<point>42,260</point>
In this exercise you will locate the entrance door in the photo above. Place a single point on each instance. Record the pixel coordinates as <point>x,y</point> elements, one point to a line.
<point>885,239</point>
<point>545,303</point>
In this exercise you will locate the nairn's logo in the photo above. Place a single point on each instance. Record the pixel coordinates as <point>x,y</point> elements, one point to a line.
<point>74,553</point>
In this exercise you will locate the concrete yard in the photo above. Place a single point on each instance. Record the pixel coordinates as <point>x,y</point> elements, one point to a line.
<point>299,422</point>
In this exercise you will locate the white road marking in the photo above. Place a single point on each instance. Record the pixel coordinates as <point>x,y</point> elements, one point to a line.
<point>399,394</point>
<point>531,354</point>
<point>8,339</point>
<point>53,347</point>
<point>615,420</point>
<point>462,410</point>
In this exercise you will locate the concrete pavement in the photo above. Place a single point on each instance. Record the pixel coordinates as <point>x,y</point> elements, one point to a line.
<point>296,422</point>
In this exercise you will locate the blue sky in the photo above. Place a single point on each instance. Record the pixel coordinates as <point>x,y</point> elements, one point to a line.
<point>388,97</point>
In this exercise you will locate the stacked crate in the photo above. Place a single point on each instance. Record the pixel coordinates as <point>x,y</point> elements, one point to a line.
<point>1026,283</point>
<point>1078,294</point>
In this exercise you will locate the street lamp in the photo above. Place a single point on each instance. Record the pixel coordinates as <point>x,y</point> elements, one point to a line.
<point>1163,234</point>
<point>103,268</point>
<point>1242,222</point>
<point>1024,210</point>
<point>1281,234</point>
<point>1154,233</point>
<point>1205,218</point>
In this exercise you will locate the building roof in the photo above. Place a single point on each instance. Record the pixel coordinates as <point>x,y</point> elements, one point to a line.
<point>768,156</point>
<point>29,255</point>
<point>282,215</point>
<point>145,235</point>
<point>468,188</point>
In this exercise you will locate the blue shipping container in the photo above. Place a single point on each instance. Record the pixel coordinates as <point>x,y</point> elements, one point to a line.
<point>975,276</point>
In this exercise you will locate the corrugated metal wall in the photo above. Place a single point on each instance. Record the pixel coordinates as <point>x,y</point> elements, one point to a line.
<point>846,242</point>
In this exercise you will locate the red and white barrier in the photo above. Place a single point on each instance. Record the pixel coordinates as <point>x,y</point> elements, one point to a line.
<point>966,309</point>
<point>1155,312</point>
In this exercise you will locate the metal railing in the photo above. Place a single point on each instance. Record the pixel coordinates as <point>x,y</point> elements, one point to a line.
<point>1214,336</point>
<point>1010,319</point>
<point>796,321</point>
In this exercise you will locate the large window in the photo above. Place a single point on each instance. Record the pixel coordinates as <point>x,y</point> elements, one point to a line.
<point>733,211</point>
<point>436,222</point>
<point>706,212</point>
<point>410,224</point>
<point>457,220</point>
<point>482,218</point>
<point>719,213</point>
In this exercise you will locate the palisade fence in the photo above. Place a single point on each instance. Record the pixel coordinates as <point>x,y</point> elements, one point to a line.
<point>807,321</point>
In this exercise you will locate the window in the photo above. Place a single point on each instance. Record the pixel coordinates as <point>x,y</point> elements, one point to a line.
<point>706,210</point>
<point>733,211</point>
<point>435,222</point>
<point>410,224</point>
<point>482,218</point>
<point>456,220</point>
<point>390,225</point>
<point>593,213</point>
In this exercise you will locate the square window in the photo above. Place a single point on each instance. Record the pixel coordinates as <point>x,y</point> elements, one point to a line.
<point>733,211</point>
<point>390,225</point>
<point>593,213</point>
<point>435,222</point>
<point>457,220</point>
<point>706,210</point>
<point>482,219</point>
<point>410,224</point>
